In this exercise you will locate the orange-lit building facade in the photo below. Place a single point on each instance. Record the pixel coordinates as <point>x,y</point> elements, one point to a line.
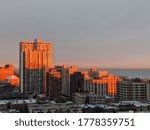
<point>112,84</point>
<point>96,86</point>
<point>13,80</point>
<point>73,69</point>
<point>6,71</point>
<point>95,81</point>
<point>35,61</point>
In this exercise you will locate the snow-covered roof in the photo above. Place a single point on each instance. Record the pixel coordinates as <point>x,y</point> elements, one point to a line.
<point>17,101</point>
<point>98,105</point>
<point>136,103</point>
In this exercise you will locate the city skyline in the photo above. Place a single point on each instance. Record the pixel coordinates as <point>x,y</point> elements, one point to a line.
<point>104,34</point>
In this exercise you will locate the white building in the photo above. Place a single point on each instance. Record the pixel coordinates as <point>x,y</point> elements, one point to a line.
<point>132,90</point>
<point>95,87</point>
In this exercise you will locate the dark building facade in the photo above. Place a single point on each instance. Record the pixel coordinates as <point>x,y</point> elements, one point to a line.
<point>76,83</point>
<point>6,71</point>
<point>53,84</point>
<point>65,79</point>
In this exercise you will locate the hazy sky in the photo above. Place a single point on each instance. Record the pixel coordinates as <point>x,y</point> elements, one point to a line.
<point>101,33</point>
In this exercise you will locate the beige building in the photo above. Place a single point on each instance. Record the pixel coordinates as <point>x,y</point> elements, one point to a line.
<point>96,86</point>
<point>87,98</point>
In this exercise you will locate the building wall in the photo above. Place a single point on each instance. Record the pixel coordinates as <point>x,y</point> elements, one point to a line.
<point>73,69</point>
<point>112,84</point>
<point>110,81</point>
<point>81,98</point>
<point>35,61</point>
<point>131,91</point>
<point>65,79</point>
<point>13,82</point>
<point>6,71</point>
<point>96,86</point>
<point>76,83</point>
<point>53,84</point>
<point>103,77</point>
<point>55,108</point>
<point>148,91</point>
<point>93,73</point>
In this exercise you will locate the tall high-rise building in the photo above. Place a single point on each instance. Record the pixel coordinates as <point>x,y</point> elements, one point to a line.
<point>53,84</point>
<point>65,79</point>
<point>76,83</point>
<point>65,71</point>
<point>35,61</point>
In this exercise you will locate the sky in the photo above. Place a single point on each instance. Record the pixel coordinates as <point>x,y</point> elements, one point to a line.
<point>87,33</point>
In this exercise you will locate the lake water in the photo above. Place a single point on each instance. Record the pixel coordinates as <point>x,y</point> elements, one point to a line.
<point>131,73</point>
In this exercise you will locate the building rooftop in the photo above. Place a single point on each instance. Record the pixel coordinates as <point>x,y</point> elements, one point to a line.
<point>2,102</point>
<point>12,77</point>
<point>136,103</point>
<point>98,105</point>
